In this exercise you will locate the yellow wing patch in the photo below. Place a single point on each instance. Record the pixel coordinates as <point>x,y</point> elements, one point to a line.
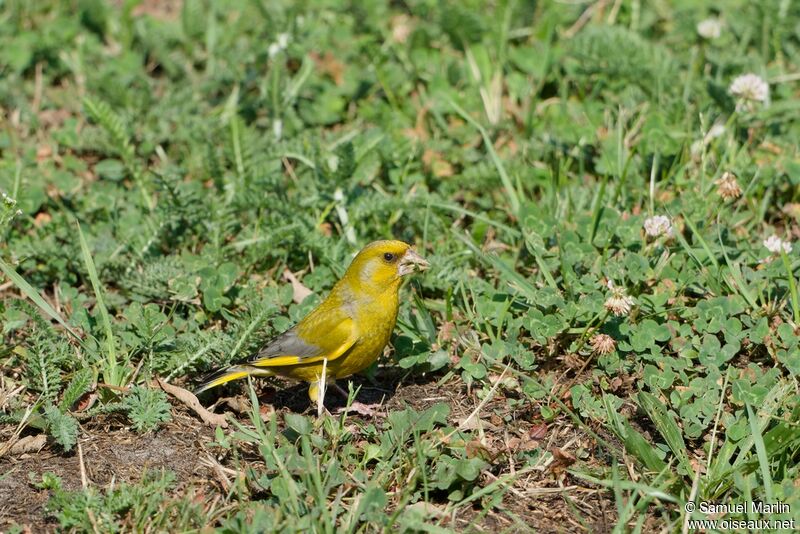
<point>317,337</point>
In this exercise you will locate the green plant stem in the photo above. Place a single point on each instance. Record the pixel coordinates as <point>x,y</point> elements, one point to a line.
<point>792,287</point>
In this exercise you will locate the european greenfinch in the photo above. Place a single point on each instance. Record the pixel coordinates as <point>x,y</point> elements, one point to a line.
<point>345,333</point>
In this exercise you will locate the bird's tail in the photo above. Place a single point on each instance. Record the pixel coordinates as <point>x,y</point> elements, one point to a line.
<point>227,374</point>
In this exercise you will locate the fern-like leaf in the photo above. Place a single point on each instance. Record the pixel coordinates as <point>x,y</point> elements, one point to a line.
<point>62,427</point>
<point>147,408</point>
<point>44,358</point>
<point>81,383</point>
<point>113,125</point>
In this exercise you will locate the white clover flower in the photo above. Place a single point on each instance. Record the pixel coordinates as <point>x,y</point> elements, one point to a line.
<point>618,303</point>
<point>709,28</point>
<point>273,49</point>
<point>728,187</point>
<point>776,245</point>
<point>749,89</point>
<point>657,226</point>
<point>603,344</point>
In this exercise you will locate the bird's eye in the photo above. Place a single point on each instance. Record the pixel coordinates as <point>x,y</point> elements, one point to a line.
<point>389,257</point>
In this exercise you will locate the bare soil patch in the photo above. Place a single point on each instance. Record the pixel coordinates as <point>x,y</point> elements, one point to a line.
<point>112,454</point>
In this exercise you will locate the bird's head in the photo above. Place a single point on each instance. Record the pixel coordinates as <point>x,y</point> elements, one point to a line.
<point>381,264</point>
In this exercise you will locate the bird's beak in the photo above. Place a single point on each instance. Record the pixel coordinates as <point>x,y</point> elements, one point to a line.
<point>410,262</point>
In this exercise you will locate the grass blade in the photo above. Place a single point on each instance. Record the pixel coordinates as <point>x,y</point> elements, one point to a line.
<point>761,453</point>
<point>34,295</point>
<point>112,373</point>
<point>513,277</point>
<point>667,427</point>
<point>511,192</point>
<point>702,241</point>
<point>792,287</point>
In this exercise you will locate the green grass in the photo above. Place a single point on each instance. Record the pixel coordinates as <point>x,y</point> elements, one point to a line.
<point>169,165</point>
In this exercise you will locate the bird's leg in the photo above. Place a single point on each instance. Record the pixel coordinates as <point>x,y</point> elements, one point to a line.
<point>339,389</point>
<point>322,385</point>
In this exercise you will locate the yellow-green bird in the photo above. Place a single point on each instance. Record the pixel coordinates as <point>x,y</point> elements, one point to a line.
<point>345,333</point>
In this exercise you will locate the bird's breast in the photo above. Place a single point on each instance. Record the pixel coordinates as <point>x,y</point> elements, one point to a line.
<point>375,320</point>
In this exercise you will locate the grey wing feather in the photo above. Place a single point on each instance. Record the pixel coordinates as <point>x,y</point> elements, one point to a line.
<point>286,344</point>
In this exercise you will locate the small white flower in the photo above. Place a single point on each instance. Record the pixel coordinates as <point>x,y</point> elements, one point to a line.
<point>696,149</point>
<point>749,88</point>
<point>776,245</point>
<point>618,303</point>
<point>709,28</point>
<point>7,200</point>
<point>283,40</point>
<point>277,128</point>
<point>657,226</point>
<point>19,212</point>
<point>715,131</point>
<point>401,28</point>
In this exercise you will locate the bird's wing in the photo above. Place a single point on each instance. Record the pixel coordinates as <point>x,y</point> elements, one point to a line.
<point>318,336</point>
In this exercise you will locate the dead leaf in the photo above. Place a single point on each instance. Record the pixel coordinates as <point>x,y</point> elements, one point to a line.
<point>86,401</point>
<point>43,153</point>
<point>538,431</point>
<point>476,449</point>
<point>41,219</point>
<point>523,444</point>
<point>475,423</point>
<point>771,148</point>
<point>299,291</point>
<point>165,10</point>
<point>561,460</point>
<point>328,64</point>
<point>237,404</point>
<point>265,412</point>
<point>436,164</point>
<point>24,445</point>
<point>190,400</point>
<point>53,117</point>
<point>367,410</point>
<point>447,332</point>
<point>697,465</point>
<point>792,209</point>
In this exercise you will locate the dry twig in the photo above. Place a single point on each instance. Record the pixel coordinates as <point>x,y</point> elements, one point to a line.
<point>190,400</point>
